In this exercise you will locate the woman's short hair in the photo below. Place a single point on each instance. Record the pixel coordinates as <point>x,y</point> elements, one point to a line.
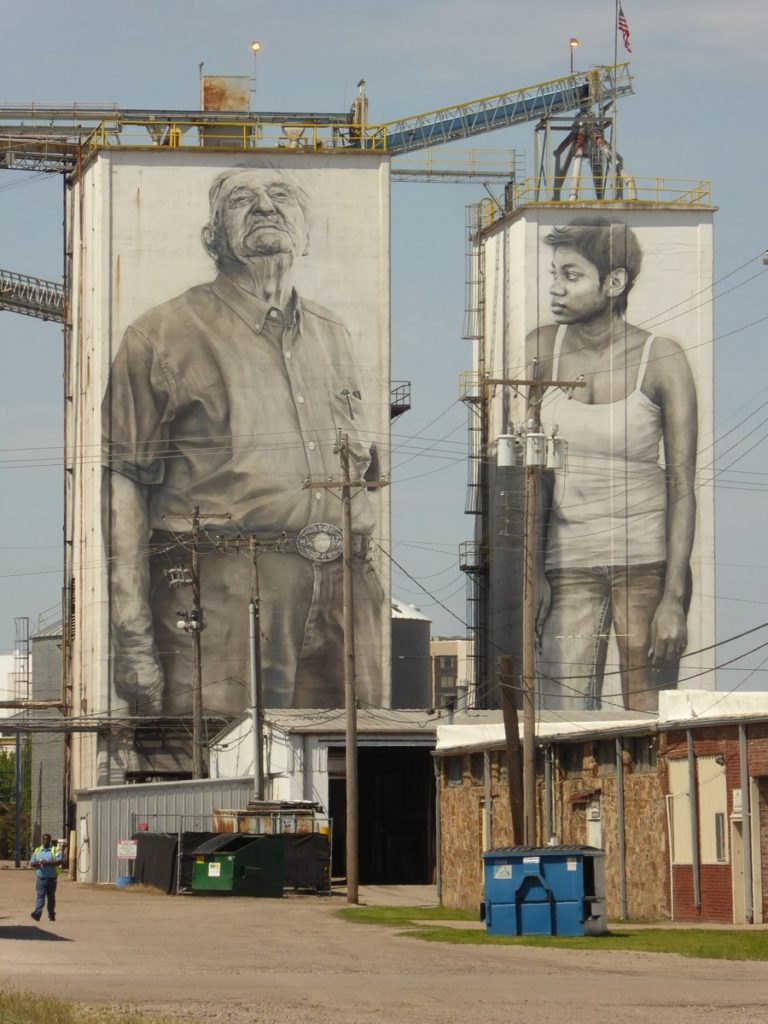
<point>607,244</point>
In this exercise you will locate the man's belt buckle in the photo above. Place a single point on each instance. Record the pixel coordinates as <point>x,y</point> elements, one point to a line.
<point>320,542</point>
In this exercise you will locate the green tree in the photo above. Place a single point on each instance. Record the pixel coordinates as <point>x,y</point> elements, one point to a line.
<point>8,801</point>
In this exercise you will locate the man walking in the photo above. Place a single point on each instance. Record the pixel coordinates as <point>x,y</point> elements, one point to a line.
<point>47,859</point>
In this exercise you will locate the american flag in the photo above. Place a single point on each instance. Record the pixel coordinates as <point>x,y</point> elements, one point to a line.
<point>624,29</point>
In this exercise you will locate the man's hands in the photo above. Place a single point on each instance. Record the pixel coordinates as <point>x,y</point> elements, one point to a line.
<point>138,674</point>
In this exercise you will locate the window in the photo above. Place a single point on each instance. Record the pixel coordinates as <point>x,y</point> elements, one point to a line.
<point>454,770</point>
<point>477,768</point>
<point>571,756</point>
<point>605,755</point>
<point>503,765</point>
<point>720,847</point>
<point>643,750</point>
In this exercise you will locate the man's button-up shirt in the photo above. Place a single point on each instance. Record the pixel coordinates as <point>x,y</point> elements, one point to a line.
<point>219,400</point>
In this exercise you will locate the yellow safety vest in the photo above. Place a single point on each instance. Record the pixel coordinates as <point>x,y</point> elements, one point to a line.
<point>54,850</point>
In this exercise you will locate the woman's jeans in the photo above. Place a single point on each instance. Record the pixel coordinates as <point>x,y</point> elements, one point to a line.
<point>586,606</point>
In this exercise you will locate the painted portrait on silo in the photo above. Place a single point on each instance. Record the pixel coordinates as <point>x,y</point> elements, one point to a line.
<point>627,541</point>
<point>250,334</point>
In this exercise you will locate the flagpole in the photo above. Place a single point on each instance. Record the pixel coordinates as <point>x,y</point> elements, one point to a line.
<point>615,84</point>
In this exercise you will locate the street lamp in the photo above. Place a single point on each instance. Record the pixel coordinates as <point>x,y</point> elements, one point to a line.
<point>255,47</point>
<point>573,42</point>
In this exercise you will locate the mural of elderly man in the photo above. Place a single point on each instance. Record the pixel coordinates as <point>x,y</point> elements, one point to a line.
<point>228,398</point>
<point>620,534</point>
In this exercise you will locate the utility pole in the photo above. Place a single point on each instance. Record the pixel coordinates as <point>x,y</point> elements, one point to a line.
<point>192,622</point>
<point>257,688</point>
<point>345,485</point>
<point>514,755</point>
<point>253,546</point>
<point>350,693</point>
<point>195,626</point>
<point>536,458</point>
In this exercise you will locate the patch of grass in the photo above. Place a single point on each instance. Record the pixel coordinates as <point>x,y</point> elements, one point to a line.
<point>399,917</point>
<point>707,943</point>
<point>24,1008</point>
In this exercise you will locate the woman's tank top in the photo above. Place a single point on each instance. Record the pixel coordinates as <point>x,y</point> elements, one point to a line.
<point>609,503</point>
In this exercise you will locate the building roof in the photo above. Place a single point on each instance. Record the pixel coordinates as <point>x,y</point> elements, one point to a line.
<point>402,610</point>
<point>53,631</point>
<point>677,709</point>
<point>332,721</point>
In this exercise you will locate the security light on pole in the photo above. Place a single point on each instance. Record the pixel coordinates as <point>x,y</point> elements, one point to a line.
<point>573,42</point>
<point>255,47</point>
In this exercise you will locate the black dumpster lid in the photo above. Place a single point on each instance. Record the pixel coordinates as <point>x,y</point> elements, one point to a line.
<point>542,850</point>
<point>225,841</point>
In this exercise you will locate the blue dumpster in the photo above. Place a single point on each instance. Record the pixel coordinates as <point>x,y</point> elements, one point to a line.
<point>544,890</point>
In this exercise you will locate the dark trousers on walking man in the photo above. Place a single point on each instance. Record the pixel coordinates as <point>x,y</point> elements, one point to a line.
<point>47,860</point>
<point>45,889</point>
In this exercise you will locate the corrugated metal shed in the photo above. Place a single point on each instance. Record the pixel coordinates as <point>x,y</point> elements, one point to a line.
<point>109,813</point>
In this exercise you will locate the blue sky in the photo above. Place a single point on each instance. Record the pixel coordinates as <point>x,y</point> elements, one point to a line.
<point>698,112</point>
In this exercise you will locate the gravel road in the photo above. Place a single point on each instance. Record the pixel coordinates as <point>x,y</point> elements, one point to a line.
<point>244,961</point>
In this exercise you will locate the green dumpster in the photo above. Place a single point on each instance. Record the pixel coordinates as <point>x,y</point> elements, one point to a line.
<point>235,864</point>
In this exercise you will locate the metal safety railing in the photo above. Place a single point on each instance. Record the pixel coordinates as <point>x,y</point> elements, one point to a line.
<point>461,165</point>
<point>609,192</point>
<point>235,134</point>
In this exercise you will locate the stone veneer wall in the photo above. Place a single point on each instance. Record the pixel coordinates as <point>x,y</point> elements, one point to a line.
<point>462,810</point>
<point>645,831</point>
<point>461,836</point>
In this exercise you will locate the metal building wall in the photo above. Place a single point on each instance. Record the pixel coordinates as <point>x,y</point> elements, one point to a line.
<point>47,748</point>
<point>109,813</point>
<point>411,664</point>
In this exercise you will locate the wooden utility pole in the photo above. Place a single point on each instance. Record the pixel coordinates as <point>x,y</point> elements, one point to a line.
<point>195,626</point>
<point>345,487</point>
<point>530,607</point>
<point>257,688</point>
<point>192,622</point>
<point>514,754</point>
<point>350,691</point>
<point>253,546</point>
<point>535,461</point>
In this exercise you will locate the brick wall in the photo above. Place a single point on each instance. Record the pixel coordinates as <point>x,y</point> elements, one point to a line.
<point>762,824</point>
<point>716,880</point>
<point>716,893</point>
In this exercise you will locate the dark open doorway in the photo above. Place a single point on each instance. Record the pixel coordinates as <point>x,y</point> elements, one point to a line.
<point>397,816</point>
